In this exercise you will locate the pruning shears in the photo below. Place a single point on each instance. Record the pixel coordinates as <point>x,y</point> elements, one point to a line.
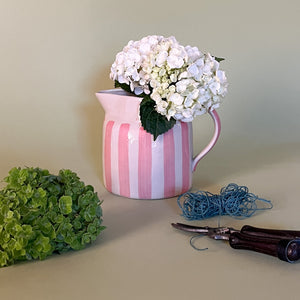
<point>284,244</point>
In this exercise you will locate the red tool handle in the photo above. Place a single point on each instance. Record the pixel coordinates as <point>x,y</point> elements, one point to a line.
<point>270,233</point>
<point>285,249</point>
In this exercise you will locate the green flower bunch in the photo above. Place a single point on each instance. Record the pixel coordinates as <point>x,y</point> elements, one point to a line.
<point>42,214</point>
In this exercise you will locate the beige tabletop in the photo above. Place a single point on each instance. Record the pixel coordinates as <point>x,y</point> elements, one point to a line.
<point>140,256</point>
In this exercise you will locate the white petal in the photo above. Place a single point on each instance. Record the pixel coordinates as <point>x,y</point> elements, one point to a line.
<point>188,102</point>
<point>161,58</point>
<point>175,62</point>
<point>176,99</point>
<point>138,90</point>
<point>193,70</point>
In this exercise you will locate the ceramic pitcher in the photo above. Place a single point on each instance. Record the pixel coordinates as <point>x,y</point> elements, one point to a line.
<point>136,166</point>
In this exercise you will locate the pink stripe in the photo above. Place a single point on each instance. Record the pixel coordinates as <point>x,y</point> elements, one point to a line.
<point>124,160</point>
<point>145,163</point>
<point>185,157</point>
<point>107,155</point>
<point>169,164</point>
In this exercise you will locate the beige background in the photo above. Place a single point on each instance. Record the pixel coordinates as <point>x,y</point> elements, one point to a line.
<point>56,54</point>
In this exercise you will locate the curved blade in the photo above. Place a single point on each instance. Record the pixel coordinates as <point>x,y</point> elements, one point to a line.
<point>190,228</point>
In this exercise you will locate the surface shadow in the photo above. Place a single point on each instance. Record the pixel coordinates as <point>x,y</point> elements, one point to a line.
<point>233,157</point>
<point>126,216</point>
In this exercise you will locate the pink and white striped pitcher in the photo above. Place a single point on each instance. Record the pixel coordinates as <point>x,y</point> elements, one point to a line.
<point>136,166</point>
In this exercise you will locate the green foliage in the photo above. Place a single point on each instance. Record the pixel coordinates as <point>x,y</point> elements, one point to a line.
<point>151,120</point>
<point>41,213</point>
<point>219,59</point>
<point>124,87</point>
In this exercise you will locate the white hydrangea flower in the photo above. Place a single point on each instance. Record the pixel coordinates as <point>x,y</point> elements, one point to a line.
<point>161,58</point>
<point>176,99</point>
<point>183,81</point>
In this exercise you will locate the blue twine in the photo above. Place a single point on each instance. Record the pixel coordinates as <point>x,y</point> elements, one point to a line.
<point>234,201</point>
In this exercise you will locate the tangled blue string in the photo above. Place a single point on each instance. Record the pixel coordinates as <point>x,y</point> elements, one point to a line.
<point>234,201</point>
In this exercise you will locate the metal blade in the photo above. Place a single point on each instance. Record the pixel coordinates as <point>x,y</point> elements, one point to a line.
<point>190,228</point>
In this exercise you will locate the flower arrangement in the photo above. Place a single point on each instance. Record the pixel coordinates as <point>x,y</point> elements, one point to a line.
<point>175,82</point>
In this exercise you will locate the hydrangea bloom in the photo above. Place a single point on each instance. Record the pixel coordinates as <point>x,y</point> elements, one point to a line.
<point>183,81</point>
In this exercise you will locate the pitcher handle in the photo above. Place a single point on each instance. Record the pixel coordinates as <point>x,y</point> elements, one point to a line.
<point>217,124</point>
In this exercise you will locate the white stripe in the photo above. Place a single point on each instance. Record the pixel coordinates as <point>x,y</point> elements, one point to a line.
<point>133,148</point>
<point>178,157</point>
<point>115,159</point>
<point>190,126</point>
<point>157,189</point>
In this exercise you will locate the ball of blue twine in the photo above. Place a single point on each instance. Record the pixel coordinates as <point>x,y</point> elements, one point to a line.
<point>234,201</point>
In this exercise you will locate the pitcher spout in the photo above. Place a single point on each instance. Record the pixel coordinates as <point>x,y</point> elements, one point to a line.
<point>119,104</point>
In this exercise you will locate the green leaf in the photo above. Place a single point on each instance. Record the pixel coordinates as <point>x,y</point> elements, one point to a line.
<point>78,223</point>
<point>59,218</point>
<point>124,87</point>
<point>86,238</point>
<point>127,89</point>
<point>89,213</point>
<point>92,228</point>
<point>65,204</point>
<point>41,247</point>
<point>84,199</point>
<point>76,245</point>
<point>219,59</point>
<point>39,198</point>
<point>152,121</point>
<point>99,212</point>
<point>3,258</point>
